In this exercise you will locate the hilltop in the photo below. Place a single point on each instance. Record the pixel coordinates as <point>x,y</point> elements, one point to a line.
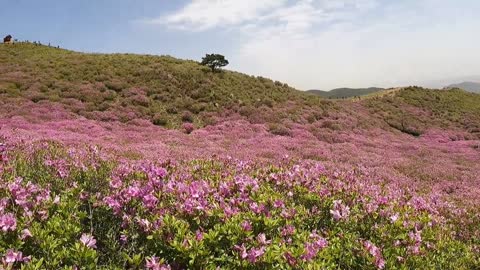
<point>122,87</point>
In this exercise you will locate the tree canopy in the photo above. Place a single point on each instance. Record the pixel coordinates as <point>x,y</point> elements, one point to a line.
<point>214,61</point>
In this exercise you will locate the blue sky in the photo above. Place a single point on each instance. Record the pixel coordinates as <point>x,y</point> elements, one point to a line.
<point>307,43</point>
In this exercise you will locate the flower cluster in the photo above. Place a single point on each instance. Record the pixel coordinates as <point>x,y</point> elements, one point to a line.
<point>376,253</point>
<point>220,212</point>
<point>339,211</point>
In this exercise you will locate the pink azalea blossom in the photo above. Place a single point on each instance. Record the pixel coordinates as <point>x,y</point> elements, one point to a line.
<point>313,248</point>
<point>123,238</point>
<point>112,203</point>
<point>376,253</point>
<point>8,222</point>
<point>132,192</point>
<point>149,201</point>
<point>56,200</point>
<point>154,264</point>
<point>246,226</point>
<point>255,253</point>
<point>198,235</point>
<point>339,211</point>
<point>13,256</point>
<point>416,236</point>
<point>288,230</point>
<point>394,218</point>
<point>262,240</point>
<point>291,260</point>
<point>279,204</point>
<point>242,250</point>
<point>145,224</point>
<point>26,234</point>
<point>116,183</point>
<point>88,240</point>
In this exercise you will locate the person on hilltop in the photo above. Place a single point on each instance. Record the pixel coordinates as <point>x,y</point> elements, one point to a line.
<point>8,39</point>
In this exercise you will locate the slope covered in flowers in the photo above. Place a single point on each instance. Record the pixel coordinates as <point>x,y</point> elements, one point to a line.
<point>78,208</point>
<point>133,162</point>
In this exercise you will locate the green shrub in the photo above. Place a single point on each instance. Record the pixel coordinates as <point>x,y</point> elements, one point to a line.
<point>279,129</point>
<point>160,119</point>
<point>187,117</point>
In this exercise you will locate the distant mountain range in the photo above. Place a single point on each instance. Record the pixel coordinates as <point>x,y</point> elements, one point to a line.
<point>346,92</point>
<point>339,93</point>
<point>467,86</point>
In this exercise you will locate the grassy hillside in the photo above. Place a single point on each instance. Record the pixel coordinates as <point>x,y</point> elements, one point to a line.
<point>345,92</point>
<point>122,87</point>
<point>414,110</point>
<point>168,91</point>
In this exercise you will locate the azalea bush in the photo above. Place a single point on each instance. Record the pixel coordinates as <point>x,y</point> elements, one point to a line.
<point>83,208</point>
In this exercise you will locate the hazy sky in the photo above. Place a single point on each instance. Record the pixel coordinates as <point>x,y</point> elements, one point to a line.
<point>309,44</point>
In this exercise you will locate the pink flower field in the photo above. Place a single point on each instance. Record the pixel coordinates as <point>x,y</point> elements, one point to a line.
<point>435,162</point>
<point>145,162</point>
<point>80,192</point>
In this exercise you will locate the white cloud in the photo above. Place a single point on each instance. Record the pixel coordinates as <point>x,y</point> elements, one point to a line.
<point>332,43</point>
<point>199,15</point>
<point>413,42</point>
<point>205,14</point>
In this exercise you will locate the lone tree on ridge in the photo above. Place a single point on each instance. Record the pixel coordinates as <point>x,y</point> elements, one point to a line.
<point>214,61</point>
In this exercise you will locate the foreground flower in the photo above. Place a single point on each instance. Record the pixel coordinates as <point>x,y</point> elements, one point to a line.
<point>255,253</point>
<point>26,234</point>
<point>8,222</point>
<point>123,238</point>
<point>199,235</point>
<point>376,253</point>
<point>288,230</point>
<point>14,256</point>
<point>88,240</point>
<point>262,239</point>
<point>313,248</point>
<point>291,260</point>
<point>339,211</point>
<point>56,200</point>
<point>242,250</point>
<point>246,225</point>
<point>394,218</point>
<point>298,233</point>
<point>152,263</point>
<point>155,264</point>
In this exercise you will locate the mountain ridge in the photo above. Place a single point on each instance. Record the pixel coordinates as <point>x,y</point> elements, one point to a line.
<point>469,86</point>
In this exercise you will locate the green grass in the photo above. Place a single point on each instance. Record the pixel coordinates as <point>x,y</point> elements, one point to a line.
<point>152,87</point>
<point>343,93</point>
<point>413,110</point>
